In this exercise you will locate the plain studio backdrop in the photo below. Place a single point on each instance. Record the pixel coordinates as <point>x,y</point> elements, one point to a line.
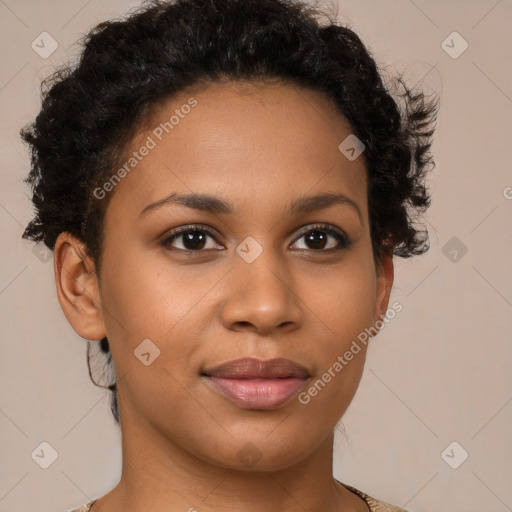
<point>429,428</point>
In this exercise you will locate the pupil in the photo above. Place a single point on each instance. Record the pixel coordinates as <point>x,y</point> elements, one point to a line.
<point>194,239</point>
<point>314,237</point>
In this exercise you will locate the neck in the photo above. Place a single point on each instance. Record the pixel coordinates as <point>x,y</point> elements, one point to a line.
<point>157,475</point>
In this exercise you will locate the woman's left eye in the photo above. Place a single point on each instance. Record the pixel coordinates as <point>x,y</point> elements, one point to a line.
<point>318,236</point>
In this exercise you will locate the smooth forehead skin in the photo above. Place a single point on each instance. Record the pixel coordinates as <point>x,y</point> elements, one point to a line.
<point>257,145</point>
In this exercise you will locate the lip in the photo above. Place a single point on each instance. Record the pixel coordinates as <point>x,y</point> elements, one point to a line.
<point>254,384</point>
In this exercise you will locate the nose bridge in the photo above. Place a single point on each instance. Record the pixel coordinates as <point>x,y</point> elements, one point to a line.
<point>261,291</point>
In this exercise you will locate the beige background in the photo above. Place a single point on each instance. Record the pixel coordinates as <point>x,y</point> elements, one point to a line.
<point>440,372</point>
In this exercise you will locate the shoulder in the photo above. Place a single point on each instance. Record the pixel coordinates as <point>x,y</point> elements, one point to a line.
<point>83,508</point>
<point>374,504</point>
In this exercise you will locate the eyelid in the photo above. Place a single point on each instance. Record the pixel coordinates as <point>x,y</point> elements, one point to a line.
<point>190,227</point>
<point>312,226</point>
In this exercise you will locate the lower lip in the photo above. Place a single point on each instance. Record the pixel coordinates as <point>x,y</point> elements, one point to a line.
<point>257,393</point>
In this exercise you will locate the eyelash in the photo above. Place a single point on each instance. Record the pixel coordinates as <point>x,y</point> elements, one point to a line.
<point>343,240</point>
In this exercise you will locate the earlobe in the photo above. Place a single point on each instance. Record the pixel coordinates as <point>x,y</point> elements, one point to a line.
<point>77,287</point>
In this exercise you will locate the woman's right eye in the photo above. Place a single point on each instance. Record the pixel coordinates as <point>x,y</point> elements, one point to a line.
<point>191,239</point>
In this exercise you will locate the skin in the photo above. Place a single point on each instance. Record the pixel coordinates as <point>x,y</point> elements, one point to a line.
<point>260,147</point>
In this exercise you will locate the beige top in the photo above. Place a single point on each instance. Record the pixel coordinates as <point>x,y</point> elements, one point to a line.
<point>373,504</point>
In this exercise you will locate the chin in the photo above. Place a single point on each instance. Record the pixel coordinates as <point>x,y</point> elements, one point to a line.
<point>259,454</point>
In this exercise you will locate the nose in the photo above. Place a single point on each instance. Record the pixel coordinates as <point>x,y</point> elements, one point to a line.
<point>260,297</point>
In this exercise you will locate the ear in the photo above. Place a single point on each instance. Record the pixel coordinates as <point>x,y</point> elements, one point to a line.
<point>77,287</point>
<point>385,276</point>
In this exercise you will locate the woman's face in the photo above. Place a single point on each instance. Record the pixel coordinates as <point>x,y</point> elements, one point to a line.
<point>258,279</point>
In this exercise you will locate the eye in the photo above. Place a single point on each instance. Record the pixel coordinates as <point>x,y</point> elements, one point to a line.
<point>192,238</point>
<point>317,237</point>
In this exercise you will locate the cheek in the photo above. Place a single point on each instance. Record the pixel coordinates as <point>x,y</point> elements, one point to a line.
<point>343,300</point>
<point>342,313</point>
<point>150,298</point>
<point>145,302</point>
<point>164,304</point>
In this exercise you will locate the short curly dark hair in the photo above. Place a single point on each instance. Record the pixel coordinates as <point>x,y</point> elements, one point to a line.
<point>91,111</point>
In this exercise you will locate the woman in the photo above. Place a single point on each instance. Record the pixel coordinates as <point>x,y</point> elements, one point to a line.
<point>224,184</point>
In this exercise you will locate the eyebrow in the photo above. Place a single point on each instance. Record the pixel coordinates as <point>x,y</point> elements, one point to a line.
<point>212,204</point>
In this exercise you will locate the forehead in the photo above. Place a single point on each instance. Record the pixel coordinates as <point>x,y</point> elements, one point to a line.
<point>252,142</point>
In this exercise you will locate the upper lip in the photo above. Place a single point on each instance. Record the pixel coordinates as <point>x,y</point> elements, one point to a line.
<point>251,368</point>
